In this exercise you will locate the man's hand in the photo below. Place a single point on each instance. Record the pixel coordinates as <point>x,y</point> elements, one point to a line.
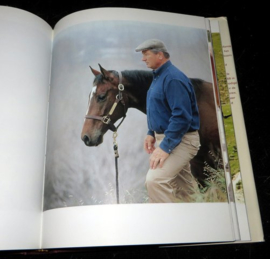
<point>158,158</point>
<point>149,144</point>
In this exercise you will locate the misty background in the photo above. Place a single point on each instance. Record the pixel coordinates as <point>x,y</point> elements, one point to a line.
<point>78,175</point>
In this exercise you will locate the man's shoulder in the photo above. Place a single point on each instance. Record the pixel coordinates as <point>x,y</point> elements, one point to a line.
<point>174,72</point>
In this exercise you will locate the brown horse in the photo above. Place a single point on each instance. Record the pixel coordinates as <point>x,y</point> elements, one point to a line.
<point>114,92</point>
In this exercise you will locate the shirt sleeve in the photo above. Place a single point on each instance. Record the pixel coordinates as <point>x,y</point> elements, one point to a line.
<point>178,98</point>
<point>151,133</point>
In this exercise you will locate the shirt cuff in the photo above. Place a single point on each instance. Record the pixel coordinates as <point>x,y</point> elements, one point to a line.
<point>151,133</point>
<point>165,147</point>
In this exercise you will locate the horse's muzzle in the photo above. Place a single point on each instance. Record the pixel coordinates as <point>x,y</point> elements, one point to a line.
<point>90,142</point>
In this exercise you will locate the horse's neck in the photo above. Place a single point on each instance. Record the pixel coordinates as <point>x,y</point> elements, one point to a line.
<point>137,88</point>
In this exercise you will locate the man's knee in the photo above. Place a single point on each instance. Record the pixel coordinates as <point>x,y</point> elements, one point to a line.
<point>151,180</point>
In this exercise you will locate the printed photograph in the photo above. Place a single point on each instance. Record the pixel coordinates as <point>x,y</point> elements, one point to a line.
<point>99,117</point>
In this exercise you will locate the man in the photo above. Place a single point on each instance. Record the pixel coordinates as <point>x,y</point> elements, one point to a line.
<point>173,123</point>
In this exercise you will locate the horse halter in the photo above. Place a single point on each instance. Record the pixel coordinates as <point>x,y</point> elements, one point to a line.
<point>107,118</point>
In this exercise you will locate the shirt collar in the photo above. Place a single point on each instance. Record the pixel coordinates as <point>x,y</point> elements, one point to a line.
<point>162,68</point>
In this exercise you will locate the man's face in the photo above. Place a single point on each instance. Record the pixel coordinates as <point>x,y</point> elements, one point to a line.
<point>151,59</point>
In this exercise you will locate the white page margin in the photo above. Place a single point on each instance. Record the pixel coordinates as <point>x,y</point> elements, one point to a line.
<point>130,14</point>
<point>124,224</point>
<point>25,50</point>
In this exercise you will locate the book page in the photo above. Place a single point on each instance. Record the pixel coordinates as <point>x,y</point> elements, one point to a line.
<point>25,51</point>
<point>239,157</point>
<point>80,205</point>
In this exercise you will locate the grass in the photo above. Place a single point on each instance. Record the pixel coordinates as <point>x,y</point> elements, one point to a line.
<point>214,190</point>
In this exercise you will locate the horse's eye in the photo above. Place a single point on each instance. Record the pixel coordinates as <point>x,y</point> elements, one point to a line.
<point>101,97</point>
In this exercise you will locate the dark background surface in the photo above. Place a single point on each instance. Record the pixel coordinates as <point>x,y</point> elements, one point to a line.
<point>248,24</point>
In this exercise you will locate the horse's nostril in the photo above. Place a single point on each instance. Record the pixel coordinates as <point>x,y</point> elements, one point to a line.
<point>86,141</point>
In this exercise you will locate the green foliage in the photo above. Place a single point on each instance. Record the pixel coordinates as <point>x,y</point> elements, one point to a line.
<point>225,105</point>
<point>220,68</point>
<point>231,143</point>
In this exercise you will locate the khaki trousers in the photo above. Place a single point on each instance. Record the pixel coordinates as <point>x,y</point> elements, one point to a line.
<point>174,181</point>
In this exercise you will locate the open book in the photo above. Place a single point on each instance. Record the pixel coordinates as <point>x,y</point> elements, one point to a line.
<point>57,192</point>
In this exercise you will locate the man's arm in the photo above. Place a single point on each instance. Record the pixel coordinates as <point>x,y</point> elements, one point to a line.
<point>178,97</point>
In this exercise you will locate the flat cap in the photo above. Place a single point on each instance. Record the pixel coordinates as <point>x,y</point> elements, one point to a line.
<point>151,44</point>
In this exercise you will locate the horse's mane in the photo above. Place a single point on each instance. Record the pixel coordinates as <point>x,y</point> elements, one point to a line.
<point>138,77</point>
<point>144,78</point>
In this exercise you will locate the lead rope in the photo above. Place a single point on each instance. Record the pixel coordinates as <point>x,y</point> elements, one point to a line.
<point>115,145</point>
<point>116,155</point>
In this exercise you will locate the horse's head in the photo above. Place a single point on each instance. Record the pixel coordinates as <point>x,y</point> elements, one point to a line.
<point>106,105</point>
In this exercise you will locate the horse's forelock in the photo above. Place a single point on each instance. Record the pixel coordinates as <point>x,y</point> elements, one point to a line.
<point>100,78</point>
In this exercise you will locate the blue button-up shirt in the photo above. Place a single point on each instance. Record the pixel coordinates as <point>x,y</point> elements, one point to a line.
<point>171,106</point>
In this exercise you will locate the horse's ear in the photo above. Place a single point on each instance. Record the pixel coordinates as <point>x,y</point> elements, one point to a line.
<point>95,72</point>
<point>104,72</point>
